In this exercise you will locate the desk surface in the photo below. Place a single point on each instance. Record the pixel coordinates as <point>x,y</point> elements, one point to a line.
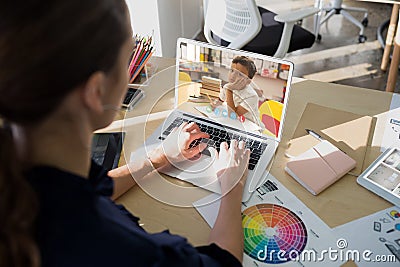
<point>341,203</point>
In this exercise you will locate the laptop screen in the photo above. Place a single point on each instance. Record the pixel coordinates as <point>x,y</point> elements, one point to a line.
<point>259,85</point>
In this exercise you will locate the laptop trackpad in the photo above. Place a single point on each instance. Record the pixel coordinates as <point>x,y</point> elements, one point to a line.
<point>199,172</point>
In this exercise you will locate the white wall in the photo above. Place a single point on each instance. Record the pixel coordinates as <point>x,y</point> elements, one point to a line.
<point>166,20</point>
<point>192,18</point>
<point>145,21</point>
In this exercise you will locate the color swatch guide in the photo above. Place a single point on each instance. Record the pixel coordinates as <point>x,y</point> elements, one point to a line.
<point>271,227</point>
<point>277,227</point>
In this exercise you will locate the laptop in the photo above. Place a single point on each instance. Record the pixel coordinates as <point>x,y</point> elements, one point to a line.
<point>208,67</point>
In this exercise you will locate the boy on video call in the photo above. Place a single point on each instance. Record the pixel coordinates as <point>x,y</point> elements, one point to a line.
<point>239,96</point>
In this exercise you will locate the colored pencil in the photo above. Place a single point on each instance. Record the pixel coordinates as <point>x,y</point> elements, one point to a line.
<point>142,53</point>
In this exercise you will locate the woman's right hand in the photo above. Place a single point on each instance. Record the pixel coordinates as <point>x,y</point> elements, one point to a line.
<point>231,166</point>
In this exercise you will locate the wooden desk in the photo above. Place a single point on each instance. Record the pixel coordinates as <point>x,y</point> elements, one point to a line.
<point>341,203</point>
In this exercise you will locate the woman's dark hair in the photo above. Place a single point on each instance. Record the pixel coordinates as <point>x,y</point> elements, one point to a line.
<point>47,48</point>
<point>246,62</point>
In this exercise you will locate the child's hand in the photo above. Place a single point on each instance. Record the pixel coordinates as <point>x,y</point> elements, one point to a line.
<point>214,103</point>
<point>238,84</point>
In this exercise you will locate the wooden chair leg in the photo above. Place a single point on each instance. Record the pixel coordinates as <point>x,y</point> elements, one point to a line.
<point>389,37</point>
<point>394,65</point>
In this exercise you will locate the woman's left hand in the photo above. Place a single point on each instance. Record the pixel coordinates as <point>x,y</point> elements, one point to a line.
<point>175,148</point>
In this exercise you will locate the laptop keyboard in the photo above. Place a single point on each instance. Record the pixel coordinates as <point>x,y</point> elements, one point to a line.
<point>219,135</point>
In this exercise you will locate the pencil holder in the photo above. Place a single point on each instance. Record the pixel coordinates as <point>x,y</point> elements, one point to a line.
<point>138,79</point>
<point>143,78</point>
<point>139,58</point>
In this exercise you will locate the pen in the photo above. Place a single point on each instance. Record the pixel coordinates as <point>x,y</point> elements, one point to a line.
<point>314,134</point>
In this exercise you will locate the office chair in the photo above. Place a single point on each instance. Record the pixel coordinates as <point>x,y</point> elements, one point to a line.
<point>241,24</point>
<point>336,8</point>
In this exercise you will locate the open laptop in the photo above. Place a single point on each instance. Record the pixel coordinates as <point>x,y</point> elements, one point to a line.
<point>202,68</point>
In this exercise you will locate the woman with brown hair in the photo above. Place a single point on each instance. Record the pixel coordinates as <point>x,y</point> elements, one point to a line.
<point>62,70</point>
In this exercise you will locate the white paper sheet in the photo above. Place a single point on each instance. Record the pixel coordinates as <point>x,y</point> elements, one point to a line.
<point>391,135</point>
<point>374,233</point>
<point>274,219</point>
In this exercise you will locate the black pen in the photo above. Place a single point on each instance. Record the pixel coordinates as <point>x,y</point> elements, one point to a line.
<point>314,134</point>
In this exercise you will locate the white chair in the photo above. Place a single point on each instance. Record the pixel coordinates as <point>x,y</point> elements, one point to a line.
<point>336,7</point>
<point>241,24</point>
